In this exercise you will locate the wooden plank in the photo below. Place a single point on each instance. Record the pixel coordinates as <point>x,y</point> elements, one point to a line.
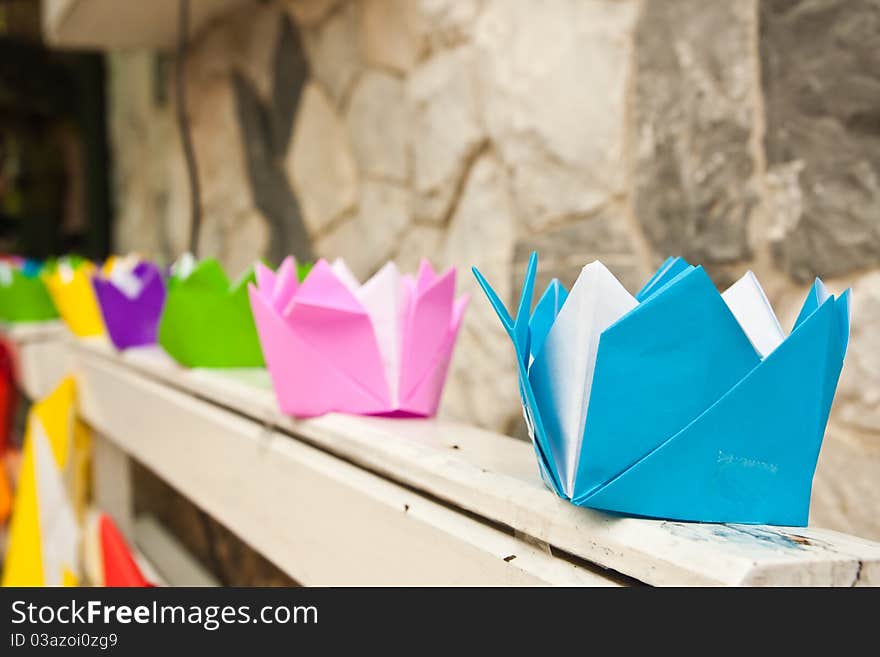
<point>111,482</point>
<point>320,519</point>
<point>495,477</point>
<point>423,455</point>
<point>42,357</point>
<point>42,366</point>
<point>148,569</point>
<point>163,559</point>
<point>22,332</point>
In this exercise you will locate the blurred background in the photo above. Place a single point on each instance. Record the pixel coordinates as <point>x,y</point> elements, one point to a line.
<point>740,134</point>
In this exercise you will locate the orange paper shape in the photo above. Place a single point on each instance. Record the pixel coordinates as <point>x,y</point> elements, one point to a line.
<point>5,494</point>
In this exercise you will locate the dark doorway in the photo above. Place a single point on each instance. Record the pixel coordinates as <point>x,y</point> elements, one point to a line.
<point>54,188</point>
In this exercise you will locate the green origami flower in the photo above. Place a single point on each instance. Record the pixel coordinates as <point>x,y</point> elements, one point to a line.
<point>207,321</point>
<point>23,297</point>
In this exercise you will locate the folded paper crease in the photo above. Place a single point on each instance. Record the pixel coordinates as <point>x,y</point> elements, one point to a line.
<point>333,344</point>
<point>678,402</point>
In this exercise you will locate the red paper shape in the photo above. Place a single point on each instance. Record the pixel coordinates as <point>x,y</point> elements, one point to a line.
<point>120,568</point>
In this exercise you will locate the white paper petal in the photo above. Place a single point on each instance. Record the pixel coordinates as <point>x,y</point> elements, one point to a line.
<point>568,358</point>
<point>344,274</point>
<point>382,297</point>
<point>748,303</point>
<point>59,531</point>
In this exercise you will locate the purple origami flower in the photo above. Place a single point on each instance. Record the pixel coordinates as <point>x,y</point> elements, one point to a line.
<point>131,300</point>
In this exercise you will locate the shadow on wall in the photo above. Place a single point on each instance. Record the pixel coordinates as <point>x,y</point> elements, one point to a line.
<point>266,130</point>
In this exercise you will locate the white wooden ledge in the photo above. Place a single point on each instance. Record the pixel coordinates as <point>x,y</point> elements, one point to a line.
<point>41,357</point>
<point>347,500</point>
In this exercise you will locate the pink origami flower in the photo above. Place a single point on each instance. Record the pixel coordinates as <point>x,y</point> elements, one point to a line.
<point>332,344</point>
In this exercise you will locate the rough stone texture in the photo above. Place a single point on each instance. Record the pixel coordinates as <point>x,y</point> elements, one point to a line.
<point>563,251</point>
<point>290,72</point>
<point>221,160</point>
<point>416,243</point>
<point>225,47</point>
<point>266,128</point>
<point>482,384</point>
<point>367,240</point>
<point>175,226</point>
<point>694,110</point>
<point>309,12</point>
<point>783,199</point>
<point>448,22</point>
<point>263,57</point>
<point>845,494</point>
<point>858,397</point>
<point>319,162</point>
<point>141,134</point>
<point>554,81</point>
<point>333,48</point>
<point>248,236</point>
<point>392,33</point>
<point>447,129</point>
<point>218,56</point>
<point>821,75</point>
<point>379,127</point>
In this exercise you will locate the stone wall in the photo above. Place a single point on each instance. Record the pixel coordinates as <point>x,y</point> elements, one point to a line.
<point>741,134</point>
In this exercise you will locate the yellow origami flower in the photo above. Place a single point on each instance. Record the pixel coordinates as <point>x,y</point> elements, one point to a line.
<point>70,286</point>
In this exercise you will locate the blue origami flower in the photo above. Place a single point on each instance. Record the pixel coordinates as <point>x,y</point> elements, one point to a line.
<point>679,402</point>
